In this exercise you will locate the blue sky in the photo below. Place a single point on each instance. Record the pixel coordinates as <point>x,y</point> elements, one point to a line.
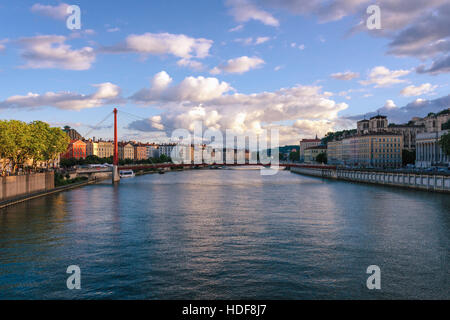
<point>243,64</point>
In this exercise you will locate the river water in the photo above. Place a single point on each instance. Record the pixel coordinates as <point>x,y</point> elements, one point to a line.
<point>227,234</point>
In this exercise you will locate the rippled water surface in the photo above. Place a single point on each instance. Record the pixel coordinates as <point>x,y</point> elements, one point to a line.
<point>227,234</point>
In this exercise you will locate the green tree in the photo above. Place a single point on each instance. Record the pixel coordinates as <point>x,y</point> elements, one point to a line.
<point>57,143</point>
<point>445,143</point>
<point>322,157</point>
<point>38,141</point>
<point>408,157</point>
<point>14,142</point>
<point>294,156</point>
<point>446,126</point>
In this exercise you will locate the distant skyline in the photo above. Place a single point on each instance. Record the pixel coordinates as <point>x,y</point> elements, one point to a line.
<point>303,67</point>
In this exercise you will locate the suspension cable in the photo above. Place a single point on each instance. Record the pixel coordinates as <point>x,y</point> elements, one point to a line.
<point>98,124</point>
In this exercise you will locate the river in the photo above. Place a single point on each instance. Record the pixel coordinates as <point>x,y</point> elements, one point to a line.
<point>227,234</point>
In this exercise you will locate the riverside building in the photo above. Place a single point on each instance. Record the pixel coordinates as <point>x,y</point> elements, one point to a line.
<point>307,143</point>
<point>378,150</point>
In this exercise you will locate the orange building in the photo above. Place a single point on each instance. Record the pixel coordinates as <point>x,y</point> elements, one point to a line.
<point>76,150</point>
<point>140,152</point>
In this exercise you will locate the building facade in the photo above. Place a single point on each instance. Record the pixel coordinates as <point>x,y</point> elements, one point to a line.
<point>73,134</point>
<point>105,149</point>
<point>126,151</point>
<point>378,123</point>
<point>166,149</point>
<point>433,122</point>
<point>152,151</point>
<point>409,133</point>
<point>307,143</point>
<point>311,153</point>
<point>334,152</point>
<point>140,152</point>
<point>91,148</point>
<point>429,152</point>
<point>75,150</point>
<point>378,150</point>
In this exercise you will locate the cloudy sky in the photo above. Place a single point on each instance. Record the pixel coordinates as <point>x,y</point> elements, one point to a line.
<point>305,67</point>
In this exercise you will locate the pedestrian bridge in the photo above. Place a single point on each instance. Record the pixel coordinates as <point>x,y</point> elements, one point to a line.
<point>105,172</point>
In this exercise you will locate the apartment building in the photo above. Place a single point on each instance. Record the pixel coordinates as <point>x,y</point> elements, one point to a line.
<point>140,152</point>
<point>75,150</point>
<point>105,149</point>
<point>126,151</point>
<point>379,150</point>
<point>311,153</point>
<point>307,143</point>
<point>91,148</point>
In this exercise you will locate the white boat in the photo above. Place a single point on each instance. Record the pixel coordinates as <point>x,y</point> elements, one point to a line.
<point>126,173</point>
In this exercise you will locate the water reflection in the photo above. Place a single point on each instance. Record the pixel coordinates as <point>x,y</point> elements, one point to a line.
<point>227,234</point>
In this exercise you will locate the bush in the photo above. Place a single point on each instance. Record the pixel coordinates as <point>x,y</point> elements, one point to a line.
<point>61,181</point>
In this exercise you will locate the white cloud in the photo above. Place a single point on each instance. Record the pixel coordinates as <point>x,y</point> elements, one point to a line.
<point>161,81</point>
<point>238,65</point>
<point>245,10</point>
<point>389,104</point>
<point>58,12</point>
<point>251,41</point>
<point>245,41</point>
<point>113,29</point>
<point>383,77</point>
<point>261,40</point>
<point>299,46</point>
<point>304,106</point>
<point>348,75</point>
<point>107,93</point>
<point>199,89</point>
<point>413,91</point>
<point>237,28</point>
<point>178,45</point>
<point>192,64</point>
<point>51,51</point>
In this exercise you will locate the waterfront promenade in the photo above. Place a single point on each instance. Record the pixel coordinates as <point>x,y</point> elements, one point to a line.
<point>423,181</point>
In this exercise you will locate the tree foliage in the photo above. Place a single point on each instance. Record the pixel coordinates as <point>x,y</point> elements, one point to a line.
<point>330,136</point>
<point>445,143</point>
<point>322,158</point>
<point>36,142</point>
<point>408,157</point>
<point>294,156</point>
<point>446,125</point>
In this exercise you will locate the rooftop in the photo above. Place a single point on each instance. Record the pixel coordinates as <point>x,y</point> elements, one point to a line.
<point>378,117</point>
<point>316,147</point>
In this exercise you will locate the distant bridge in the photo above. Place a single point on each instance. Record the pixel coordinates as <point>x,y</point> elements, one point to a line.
<point>105,172</point>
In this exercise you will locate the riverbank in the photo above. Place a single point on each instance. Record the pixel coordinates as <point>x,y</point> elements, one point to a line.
<point>426,182</point>
<point>34,195</point>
